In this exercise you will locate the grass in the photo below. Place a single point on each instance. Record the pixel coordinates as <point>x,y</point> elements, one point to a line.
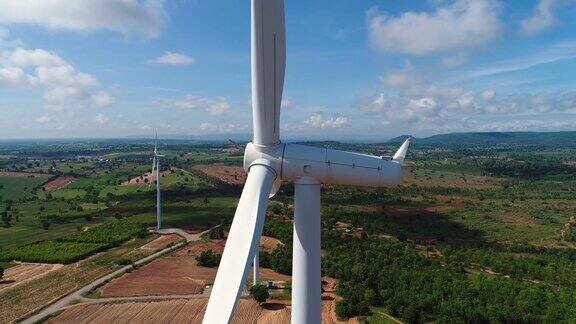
<point>192,213</point>
<point>19,188</point>
<point>379,316</point>
<point>66,219</point>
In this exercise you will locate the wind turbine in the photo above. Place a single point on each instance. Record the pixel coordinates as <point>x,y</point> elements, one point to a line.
<point>268,162</point>
<point>156,166</point>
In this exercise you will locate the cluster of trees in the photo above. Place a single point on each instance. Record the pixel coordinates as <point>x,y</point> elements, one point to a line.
<point>528,169</point>
<point>464,283</point>
<point>393,275</point>
<point>279,260</point>
<point>208,259</point>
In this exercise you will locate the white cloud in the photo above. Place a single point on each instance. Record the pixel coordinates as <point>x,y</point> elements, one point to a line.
<point>375,103</point>
<point>488,95</point>
<point>37,68</point>
<point>542,18</point>
<point>145,17</point>
<point>12,76</point>
<point>319,121</point>
<point>214,106</point>
<point>171,58</point>
<point>224,128</point>
<point>61,95</point>
<point>64,75</point>
<point>428,106</point>
<point>36,57</point>
<point>43,119</point>
<point>550,54</point>
<point>454,61</point>
<point>102,99</point>
<point>403,78</point>
<point>461,25</point>
<point>100,119</point>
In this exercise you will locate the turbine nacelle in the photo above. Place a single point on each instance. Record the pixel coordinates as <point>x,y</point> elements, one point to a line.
<point>290,162</point>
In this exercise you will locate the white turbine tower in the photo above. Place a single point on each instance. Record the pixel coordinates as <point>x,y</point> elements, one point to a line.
<point>156,166</point>
<point>268,162</point>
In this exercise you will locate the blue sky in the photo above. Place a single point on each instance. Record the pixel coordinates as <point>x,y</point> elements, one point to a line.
<point>355,69</point>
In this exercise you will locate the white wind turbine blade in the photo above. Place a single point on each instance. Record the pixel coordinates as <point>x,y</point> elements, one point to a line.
<point>241,246</point>
<point>268,67</point>
<point>152,172</point>
<point>401,153</point>
<point>156,145</point>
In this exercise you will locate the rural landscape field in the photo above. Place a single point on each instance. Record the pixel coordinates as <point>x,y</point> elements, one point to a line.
<point>483,229</point>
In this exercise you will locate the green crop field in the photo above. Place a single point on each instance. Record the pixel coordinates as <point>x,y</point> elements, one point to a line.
<point>19,188</point>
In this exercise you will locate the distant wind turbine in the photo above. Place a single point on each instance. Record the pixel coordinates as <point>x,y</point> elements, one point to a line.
<point>268,162</point>
<point>156,166</point>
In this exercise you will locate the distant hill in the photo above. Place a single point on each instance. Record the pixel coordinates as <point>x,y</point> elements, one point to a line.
<point>497,138</point>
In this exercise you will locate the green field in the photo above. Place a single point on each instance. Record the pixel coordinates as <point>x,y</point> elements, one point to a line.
<point>19,188</point>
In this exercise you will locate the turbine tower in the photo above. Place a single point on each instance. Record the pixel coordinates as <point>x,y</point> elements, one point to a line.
<point>156,166</point>
<point>268,162</point>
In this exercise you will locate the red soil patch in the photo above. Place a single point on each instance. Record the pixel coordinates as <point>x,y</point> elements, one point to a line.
<point>175,274</point>
<point>23,175</point>
<point>229,174</point>
<point>232,150</point>
<point>171,311</point>
<point>141,180</point>
<point>25,272</point>
<point>329,300</point>
<point>475,182</point>
<point>194,249</point>
<point>518,218</point>
<point>183,311</point>
<point>58,183</point>
<point>269,244</point>
<point>161,242</point>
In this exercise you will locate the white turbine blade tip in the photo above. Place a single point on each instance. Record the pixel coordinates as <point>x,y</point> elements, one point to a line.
<point>401,153</point>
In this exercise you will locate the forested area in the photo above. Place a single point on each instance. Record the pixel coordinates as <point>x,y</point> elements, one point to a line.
<point>381,260</point>
<point>393,275</point>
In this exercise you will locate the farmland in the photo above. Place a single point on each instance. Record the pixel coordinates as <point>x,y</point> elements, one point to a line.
<point>472,225</point>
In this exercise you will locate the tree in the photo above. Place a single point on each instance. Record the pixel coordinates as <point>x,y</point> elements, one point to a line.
<point>6,219</point>
<point>217,233</point>
<point>208,259</point>
<point>259,293</point>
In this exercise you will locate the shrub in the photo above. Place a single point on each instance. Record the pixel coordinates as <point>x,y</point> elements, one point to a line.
<point>217,233</point>
<point>208,259</point>
<point>123,262</point>
<point>259,293</point>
